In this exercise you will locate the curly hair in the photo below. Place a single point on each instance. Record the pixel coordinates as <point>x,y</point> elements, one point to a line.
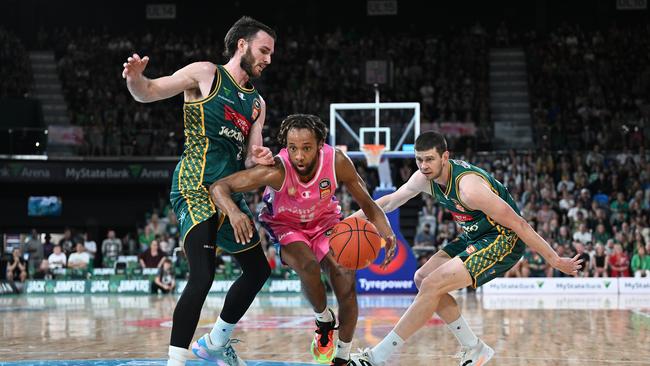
<point>306,121</point>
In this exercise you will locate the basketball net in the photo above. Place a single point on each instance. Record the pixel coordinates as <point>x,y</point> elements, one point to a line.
<point>373,154</point>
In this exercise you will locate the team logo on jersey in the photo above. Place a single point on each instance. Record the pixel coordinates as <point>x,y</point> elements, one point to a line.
<point>470,249</point>
<point>257,107</point>
<point>458,206</point>
<point>329,232</point>
<point>291,191</point>
<point>237,119</point>
<point>461,217</point>
<point>324,187</point>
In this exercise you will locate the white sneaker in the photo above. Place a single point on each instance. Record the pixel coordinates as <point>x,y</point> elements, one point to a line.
<point>364,358</point>
<point>478,355</point>
<point>223,356</point>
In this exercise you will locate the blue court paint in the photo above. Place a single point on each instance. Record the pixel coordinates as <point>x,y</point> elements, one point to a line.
<point>137,362</point>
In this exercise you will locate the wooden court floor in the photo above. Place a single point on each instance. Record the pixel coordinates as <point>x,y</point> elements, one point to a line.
<point>524,330</point>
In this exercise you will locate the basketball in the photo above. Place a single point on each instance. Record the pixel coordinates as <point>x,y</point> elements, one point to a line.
<point>355,243</point>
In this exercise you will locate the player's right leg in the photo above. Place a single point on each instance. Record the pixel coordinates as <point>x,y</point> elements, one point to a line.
<point>199,247</point>
<point>343,282</point>
<point>300,257</point>
<point>448,309</point>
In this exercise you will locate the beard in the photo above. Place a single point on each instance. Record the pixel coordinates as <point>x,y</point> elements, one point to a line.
<point>307,170</point>
<point>247,63</point>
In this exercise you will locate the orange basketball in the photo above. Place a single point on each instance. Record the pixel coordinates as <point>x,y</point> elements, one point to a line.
<point>355,243</point>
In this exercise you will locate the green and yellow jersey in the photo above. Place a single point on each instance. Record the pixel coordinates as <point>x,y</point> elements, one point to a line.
<point>216,131</point>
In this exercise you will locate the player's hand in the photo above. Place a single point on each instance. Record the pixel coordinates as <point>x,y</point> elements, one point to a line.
<point>389,248</point>
<point>134,66</point>
<point>262,155</point>
<point>242,226</point>
<point>569,266</point>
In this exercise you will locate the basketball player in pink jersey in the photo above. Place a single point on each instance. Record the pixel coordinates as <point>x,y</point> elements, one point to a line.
<point>300,212</point>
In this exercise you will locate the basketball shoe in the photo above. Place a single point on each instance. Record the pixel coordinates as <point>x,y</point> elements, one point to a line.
<point>364,358</point>
<point>222,356</point>
<point>477,355</point>
<point>322,346</point>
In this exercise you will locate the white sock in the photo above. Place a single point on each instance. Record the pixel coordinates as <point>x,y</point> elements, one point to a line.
<point>177,356</point>
<point>221,332</point>
<point>342,350</point>
<point>325,316</point>
<point>463,332</point>
<point>391,343</point>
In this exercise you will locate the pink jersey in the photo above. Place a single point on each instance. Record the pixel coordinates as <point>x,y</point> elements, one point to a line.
<point>308,207</point>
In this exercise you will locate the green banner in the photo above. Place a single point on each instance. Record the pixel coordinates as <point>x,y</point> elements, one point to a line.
<point>271,286</point>
<point>120,286</point>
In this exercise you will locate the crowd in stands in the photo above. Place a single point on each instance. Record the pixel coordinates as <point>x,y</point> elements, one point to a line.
<point>589,87</point>
<point>15,67</point>
<point>447,73</point>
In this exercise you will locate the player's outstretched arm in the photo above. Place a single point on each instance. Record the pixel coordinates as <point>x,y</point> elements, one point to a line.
<point>257,153</point>
<point>244,181</point>
<point>147,90</point>
<point>347,174</point>
<point>415,185</point>
<point>477,195</point>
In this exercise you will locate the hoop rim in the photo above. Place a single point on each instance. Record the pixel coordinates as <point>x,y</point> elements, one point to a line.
<point>373,153</point>
<point>373,148</point>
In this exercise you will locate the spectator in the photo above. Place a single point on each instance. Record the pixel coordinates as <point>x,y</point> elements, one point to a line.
<point>33,247</point>
<point>17,267</point>
<point>111,248</point>
<point>79,259</point>
<point>601,235</point>
<point>66,242</point>
<point>582,235</point>
<point>146,237</point>
<point>600,262</point>
<point>157,226</point>
<point>90,245</point>
<point>57,259</point>
<point>534,265</point>
<point>425,237</point>
<point>641,263</point>
<point>48,246</point>
<point>152,257</point>
<point>619,262</point>
<point>164,281</point>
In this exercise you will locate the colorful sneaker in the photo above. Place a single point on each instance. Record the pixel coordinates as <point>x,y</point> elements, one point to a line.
<point>339,362</point>
<point>364,358</point>
<point>478,355</point>
<point>223,356</point>
<point>322,346</point>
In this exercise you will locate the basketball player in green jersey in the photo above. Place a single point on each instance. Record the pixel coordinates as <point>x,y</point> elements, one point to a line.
<point>493,238</point>
<point>223,117</point>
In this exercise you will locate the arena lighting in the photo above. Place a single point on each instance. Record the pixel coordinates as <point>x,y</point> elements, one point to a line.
<point>38,144</point>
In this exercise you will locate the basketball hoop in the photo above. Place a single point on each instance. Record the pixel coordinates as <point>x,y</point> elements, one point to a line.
<point>373,154</point>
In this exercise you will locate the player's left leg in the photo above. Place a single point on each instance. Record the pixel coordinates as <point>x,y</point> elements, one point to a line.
<point>450,276</point>
<point>344,286</point>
